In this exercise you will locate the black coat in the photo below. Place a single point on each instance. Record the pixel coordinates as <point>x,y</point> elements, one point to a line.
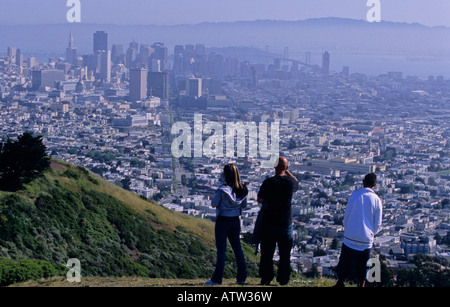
<point>256,238</point>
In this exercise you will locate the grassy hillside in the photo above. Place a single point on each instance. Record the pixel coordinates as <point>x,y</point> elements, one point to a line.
<point>72,213</point>
<point>160,282</point>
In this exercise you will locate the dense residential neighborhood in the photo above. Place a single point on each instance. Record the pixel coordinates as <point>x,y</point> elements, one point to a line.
<point>334,127</point>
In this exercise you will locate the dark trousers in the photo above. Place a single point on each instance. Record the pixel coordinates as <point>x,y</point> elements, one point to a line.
<point>230,230</point>
<point>270,237</point>
<point>350,260</point>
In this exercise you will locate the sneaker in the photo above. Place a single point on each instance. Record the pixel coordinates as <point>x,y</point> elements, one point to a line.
<point>211,283</point>
<point>240,283</point>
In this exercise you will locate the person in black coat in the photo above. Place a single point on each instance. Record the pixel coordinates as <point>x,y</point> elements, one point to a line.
<point>275,225</point>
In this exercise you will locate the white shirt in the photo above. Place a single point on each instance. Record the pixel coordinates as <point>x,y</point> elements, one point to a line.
<point>362,219</point>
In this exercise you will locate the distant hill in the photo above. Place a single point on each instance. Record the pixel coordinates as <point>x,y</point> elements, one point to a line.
<point>311,34</point>
<point>370,48</point>
<point>72,213</point>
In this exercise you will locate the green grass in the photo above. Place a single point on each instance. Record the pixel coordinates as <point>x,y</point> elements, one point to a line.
<point>203,229</point>
<point>15,271</point>
<point>159,282</point>
<point>72,213</point>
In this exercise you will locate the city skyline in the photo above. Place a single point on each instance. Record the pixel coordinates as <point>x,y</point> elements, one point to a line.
<point>362,46</point>
<point>159,110</point>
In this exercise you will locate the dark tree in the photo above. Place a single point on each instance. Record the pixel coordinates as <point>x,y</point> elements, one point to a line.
<point>334,244</point>
<point>292,144</point>
<point>314,273</point>
<point>21,161</point>
<point>126,183</point>
<point>184,180</point>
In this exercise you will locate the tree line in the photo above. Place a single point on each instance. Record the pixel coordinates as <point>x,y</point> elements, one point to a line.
<point>21,161</point>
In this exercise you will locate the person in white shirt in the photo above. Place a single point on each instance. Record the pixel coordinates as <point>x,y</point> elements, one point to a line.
<point>362,221</point>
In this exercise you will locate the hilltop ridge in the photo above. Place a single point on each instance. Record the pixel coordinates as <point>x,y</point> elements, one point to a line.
<point>72,213</point>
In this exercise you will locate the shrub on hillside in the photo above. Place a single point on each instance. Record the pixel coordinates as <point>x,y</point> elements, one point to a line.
<point>14,271</point>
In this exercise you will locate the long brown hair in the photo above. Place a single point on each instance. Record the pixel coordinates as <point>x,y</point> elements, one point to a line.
<point>233,180</point>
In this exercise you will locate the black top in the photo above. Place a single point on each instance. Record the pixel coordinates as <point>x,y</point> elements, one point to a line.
<point>277,194</point>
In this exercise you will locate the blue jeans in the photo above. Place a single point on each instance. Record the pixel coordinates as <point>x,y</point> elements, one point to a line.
<point>270,238</point>
<point>232,231</point>
<point>350,260</point>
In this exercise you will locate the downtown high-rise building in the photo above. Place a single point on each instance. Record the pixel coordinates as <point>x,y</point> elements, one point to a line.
<point>117,54</point>
<point>46,78</point>
<point>105,65</point>
<point>131,56</point>
<point>178,59</point>
<point>326,63</point>
<point>100,41</point>
<point>158,84</point>
<point>308,58</point>
<point>159,53</point>
<point>71,51</point>
<point>19,58</point>
<point>11,53</point>
<point>194,87</point>
<point>100,62</point>
<point>138,84</point>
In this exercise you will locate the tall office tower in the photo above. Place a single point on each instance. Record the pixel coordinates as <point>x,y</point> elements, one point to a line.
<point>200,65</point>
<point>190,49</point>
<point>19,58</point>
<point>346,71</point>
<point>92,62</point>
<point>200,49</point>
<point>158,84</point>
<point>253,80</point>
<point>156,66</point>
<point>138,84</point>
<point>71,51</point>
<point>308,58</point>
<point>100,41</point>
<point>32,62</point>
<point>46,77</point>
<point>194,87</point>
<point>178,59</point>
<point>244,70</point>
<point>231,66</point>
<point>12,54</point>
<point>105,65</point>
<point>277,63</point>
<point>160,53</point>
<point>216,65</point>
<point>144,55</point>
<point>285,63</point>
<point>326,63</point>
<point>131,57</point>
<point>286,53</point>
<point>189,58</point>
<point>117,54</point>
<point>36,79</point>
<point>134,45</point>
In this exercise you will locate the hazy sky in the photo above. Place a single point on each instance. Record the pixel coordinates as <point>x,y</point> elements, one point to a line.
<point>169,12</point>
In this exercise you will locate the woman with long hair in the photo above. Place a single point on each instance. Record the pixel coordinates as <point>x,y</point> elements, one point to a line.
<point>229,200</point>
